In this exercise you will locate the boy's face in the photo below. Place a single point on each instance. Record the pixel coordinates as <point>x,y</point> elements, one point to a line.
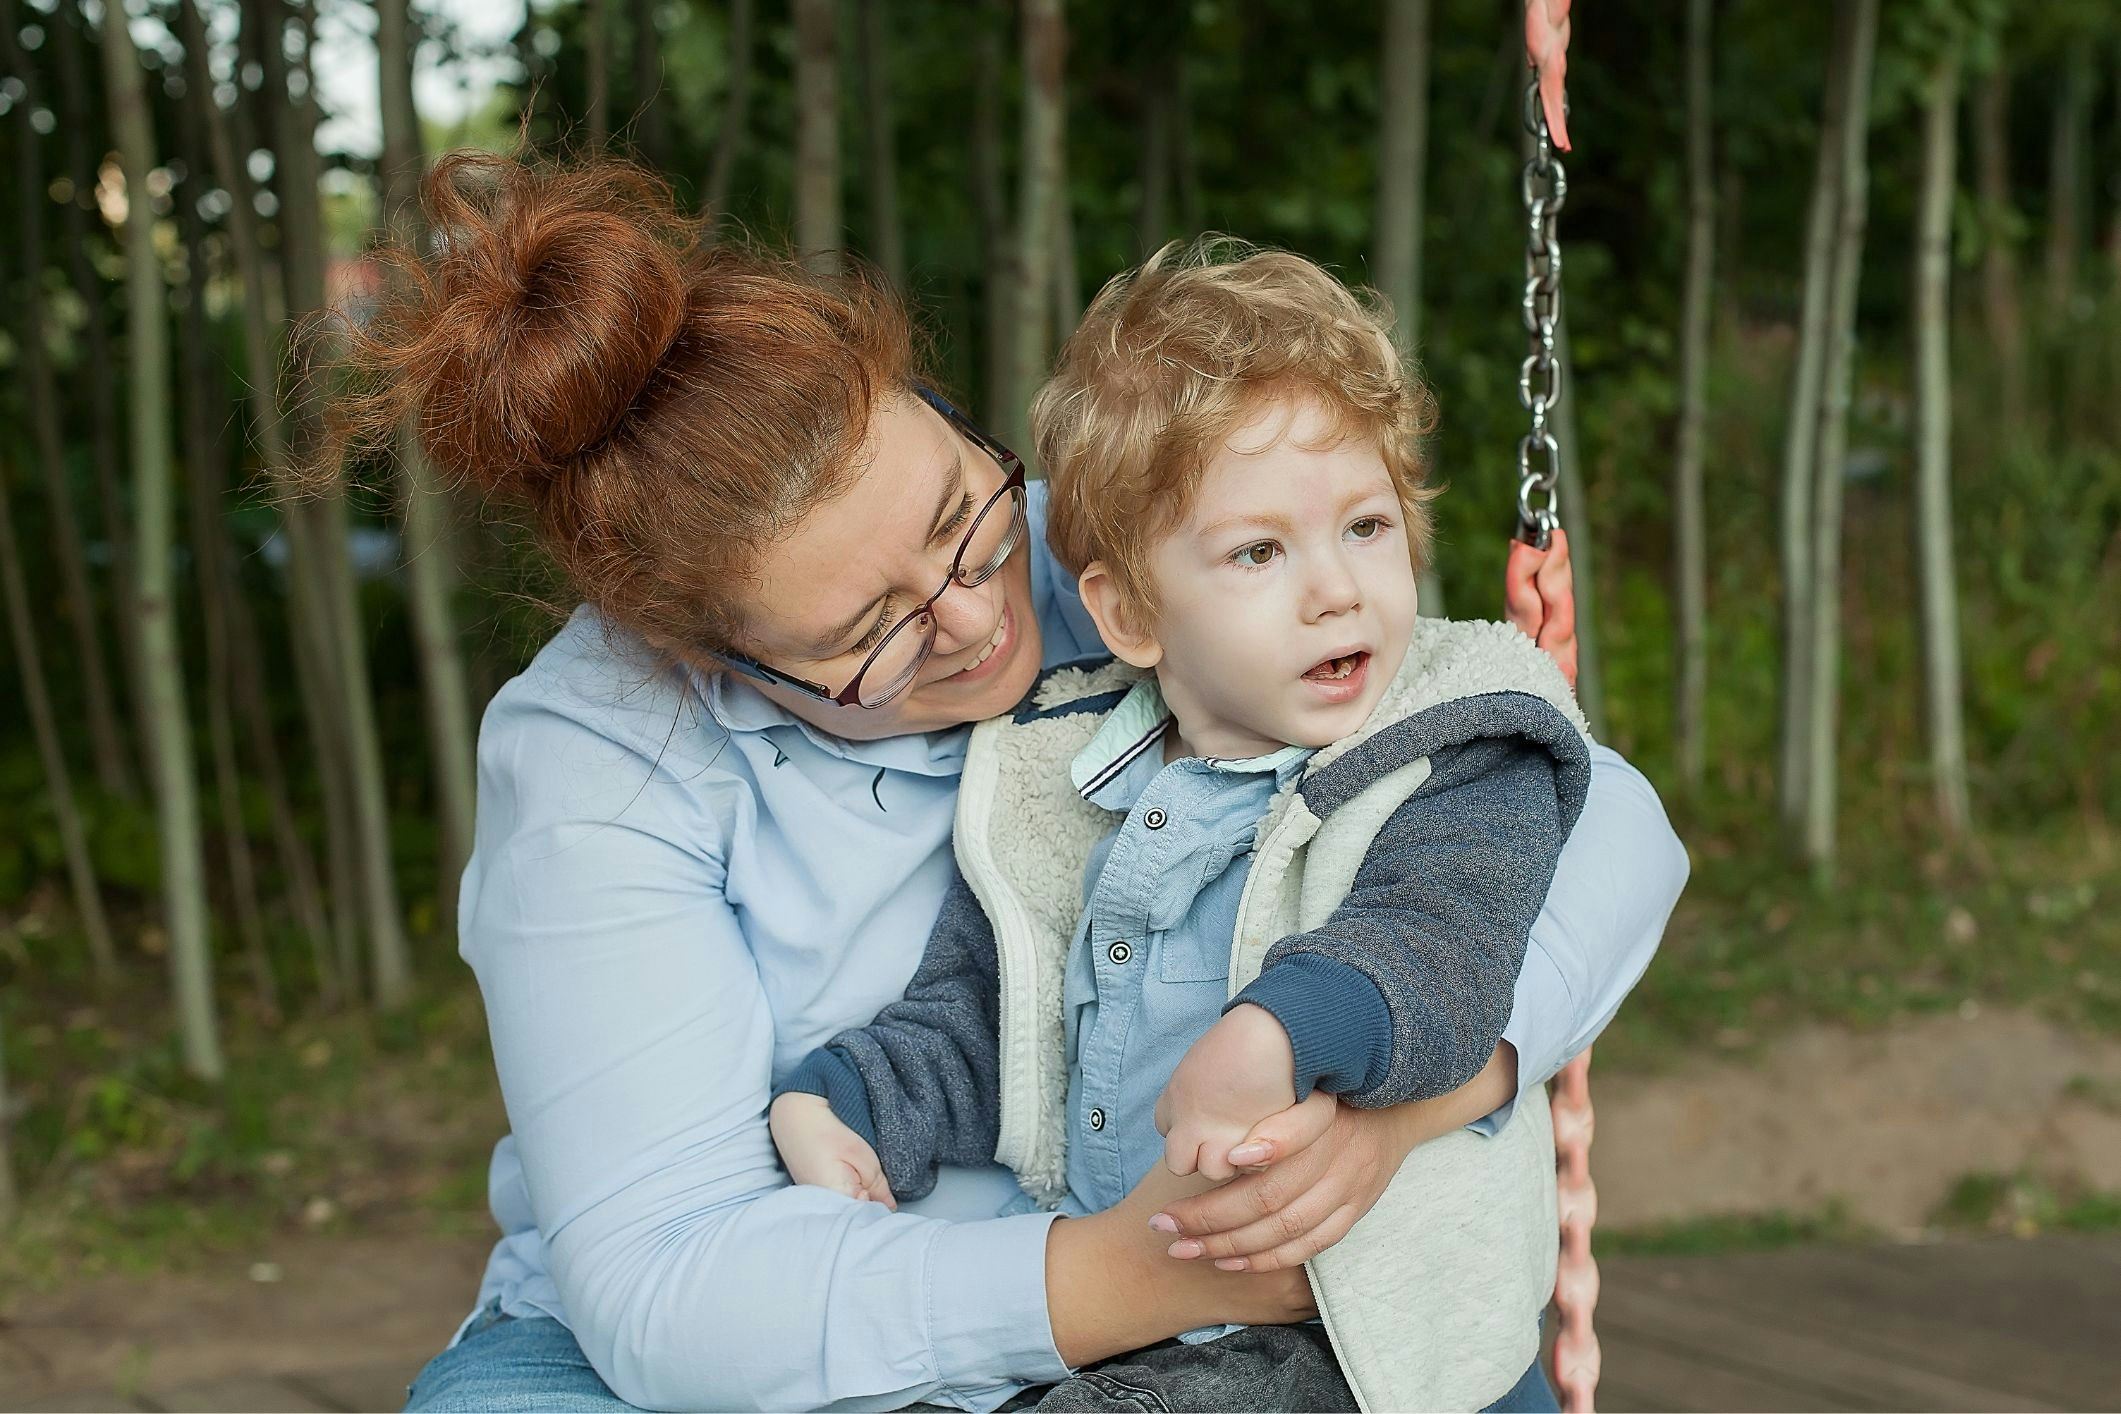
<point>1287,592</point>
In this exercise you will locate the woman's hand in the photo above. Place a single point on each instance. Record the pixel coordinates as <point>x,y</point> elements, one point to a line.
<point>1306,1196</point>
<point>1539,597</point>
<point>1546,45</point>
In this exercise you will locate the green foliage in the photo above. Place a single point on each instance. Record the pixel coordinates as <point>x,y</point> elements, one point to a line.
<point>2025,1205</point>
<point>1735,1232</point>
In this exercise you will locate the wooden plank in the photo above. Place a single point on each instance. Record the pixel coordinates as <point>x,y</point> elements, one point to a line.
<point>242,1394</point>
<point>1854,1376</point>
<point>80,1402</point>
<point>367,1389</point>
<point>1644,1372</point>
<point>1870,1299</point>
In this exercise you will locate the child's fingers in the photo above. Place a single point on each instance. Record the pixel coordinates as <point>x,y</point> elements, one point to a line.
<point>869,1171</point>
<point>1181,1153</point>
<point>1213,1162</point>
<point>1285,1132</point>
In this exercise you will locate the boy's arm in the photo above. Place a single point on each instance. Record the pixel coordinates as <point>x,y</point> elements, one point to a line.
<point>1405,991</point>
<point>922,1082</point>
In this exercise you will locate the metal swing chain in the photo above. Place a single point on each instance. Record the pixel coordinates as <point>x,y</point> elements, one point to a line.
<point>1545,186</point>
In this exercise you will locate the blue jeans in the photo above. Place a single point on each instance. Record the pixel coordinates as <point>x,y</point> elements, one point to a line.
<point>508,1366</point>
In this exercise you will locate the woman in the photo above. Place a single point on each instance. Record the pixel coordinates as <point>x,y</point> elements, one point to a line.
<point>713,830</point>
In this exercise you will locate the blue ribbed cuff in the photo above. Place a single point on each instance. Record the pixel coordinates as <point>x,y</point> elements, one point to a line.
<point>1337,1020</point>
<point>828,1073</point>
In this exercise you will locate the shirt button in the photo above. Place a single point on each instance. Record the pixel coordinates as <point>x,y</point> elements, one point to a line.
<point>1120,952</point>
<point>1155,819</point>
<point>1097,1119</point>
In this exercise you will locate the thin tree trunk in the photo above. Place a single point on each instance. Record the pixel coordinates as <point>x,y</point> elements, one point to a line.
<point>40,392</point>
<point>44,726</point>
<point>817,134</point>
<point>1067,271</point>
<point>293,854</point>
<point>176,793</point>
<point>596,41</point>
<point>651,130</point>
<point>2067,142</point>
<point>104,422</point>
<point>1689,531</point>
<point>1837,384</point>
<point>1999,255</point>
<point>736,111</point>
<point>887,232</point>
<point>430,562</point>
<point>7,1158</point>
<point>1402,180</point>
<point>318,532</point>
<point>1801,445</point>
<point>1038,192</point>
<point>203,398</point>
<point>989,187</point>
<point>1933,448</point>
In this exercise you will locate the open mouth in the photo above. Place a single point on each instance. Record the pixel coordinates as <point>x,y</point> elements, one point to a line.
<point>1337,669</point>
<point>992,646</point>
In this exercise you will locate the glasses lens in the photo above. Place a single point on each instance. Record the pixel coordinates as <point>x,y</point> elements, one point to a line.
<point>898,660</point>
<point>995,536</point>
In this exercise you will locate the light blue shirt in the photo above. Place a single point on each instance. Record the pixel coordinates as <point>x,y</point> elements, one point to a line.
<point>677,891</point>
<point>1148,971</point>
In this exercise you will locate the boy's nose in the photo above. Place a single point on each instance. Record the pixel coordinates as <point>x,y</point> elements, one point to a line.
<point>1332,590</point>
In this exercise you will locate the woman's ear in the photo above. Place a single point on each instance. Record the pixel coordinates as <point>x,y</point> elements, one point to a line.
<point>1119,622</point>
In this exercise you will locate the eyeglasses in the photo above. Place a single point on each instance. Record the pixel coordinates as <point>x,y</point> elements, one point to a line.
<point>996,532</point>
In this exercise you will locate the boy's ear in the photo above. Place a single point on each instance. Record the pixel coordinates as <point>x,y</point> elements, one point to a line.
<point>1119,622</point>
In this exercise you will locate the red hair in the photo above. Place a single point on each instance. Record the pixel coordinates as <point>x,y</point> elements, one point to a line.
<point>664,409</point>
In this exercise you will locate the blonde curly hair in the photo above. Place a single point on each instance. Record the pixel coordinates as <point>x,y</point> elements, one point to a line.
<point>1174,357</point>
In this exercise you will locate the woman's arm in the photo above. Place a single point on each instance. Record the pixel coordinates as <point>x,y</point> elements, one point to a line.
<point>634,1045</point>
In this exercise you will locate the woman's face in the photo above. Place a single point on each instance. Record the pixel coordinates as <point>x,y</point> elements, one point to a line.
<point>857,564</point>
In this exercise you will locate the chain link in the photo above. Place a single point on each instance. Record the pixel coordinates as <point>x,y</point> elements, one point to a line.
<point>1545,187</point>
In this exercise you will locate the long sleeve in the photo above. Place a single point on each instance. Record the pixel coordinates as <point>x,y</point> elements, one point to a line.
<point>1403,993</point>
<point>922,1082</point>
<point>634,1043</point>
<point>1620,874</point>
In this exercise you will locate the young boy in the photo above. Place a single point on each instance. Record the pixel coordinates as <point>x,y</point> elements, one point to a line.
<point>1317,833</point>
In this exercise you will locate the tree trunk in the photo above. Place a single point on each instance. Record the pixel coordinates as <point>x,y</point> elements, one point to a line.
<point>104,422</point>
<point>204,399</point>
<point>40,392</point>
<point>7,1156</point>
<point>1933,448</point>
<point>1402,179</point>
<point>1067,268</point>
<point>296,866</point>
<point>817,134</point>
<point>322,573</point>
<point>596,44</point>
<point>1999,254</point>
<point>1044,53</point>
<point>887,232</point>
<point>44,726</point>
<point>1837,386</point>
<point>989,187</point>
<point>1801,445</point>
<point>2067,142</point>
<point>736,110</point>
<point>162,670</point>
<point>1690,552</point>
<point>431,572</point>
<point>651,131</point>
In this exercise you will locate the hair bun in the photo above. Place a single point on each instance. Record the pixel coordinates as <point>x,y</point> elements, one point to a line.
<point>555,295</point>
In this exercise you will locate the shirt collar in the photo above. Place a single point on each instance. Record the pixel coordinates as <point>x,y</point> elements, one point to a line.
<point>1125,755</point>
<point>739,707</point>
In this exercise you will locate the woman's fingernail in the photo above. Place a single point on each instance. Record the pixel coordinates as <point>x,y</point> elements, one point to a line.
<point>1185,1248</point>
<point>1164,1222</point>
<point>1230,1264</point>
<point>1245,1155</point>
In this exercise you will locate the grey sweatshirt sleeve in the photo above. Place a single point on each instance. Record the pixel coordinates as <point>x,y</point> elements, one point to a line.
<point>922,1082</point>
<point>1404,992</point>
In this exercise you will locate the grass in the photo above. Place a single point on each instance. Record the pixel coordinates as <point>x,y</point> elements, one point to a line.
<point>1736,1232</point>
<point>2026,1205</point>
<point>1754,950</point>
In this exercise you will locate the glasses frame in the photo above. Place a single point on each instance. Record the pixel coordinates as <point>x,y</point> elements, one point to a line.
<point>1013,485</point>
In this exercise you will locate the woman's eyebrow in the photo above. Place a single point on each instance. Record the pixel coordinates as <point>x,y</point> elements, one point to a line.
<point>953,491</point>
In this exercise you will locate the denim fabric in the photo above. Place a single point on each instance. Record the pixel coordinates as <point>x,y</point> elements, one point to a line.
<point>507,1365</point>
<point>1259,1367</point>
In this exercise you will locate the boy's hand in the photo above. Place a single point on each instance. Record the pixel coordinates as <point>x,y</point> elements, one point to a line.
<point>1235,1076</point>
<point>819,1150</point>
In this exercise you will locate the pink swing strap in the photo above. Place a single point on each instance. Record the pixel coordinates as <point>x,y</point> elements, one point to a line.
<point>1576,1356</point>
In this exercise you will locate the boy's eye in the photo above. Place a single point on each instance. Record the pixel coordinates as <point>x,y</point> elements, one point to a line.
<point>1368,528</point>
<point>1259,552</point>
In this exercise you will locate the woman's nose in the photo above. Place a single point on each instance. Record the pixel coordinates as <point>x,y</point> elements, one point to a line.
<point>964,617</point>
